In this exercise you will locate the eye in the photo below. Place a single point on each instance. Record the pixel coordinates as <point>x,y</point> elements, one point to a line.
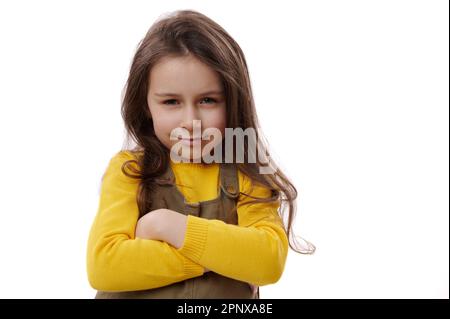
<point>208,100</point>
<point>170,102</point>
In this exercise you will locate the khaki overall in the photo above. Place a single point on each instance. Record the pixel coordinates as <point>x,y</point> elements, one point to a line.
<point>210,284</point>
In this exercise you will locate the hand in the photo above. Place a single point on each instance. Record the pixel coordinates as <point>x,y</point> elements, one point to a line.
<point>146,227</point>
<point>254,289</point>
<point>163,224</point>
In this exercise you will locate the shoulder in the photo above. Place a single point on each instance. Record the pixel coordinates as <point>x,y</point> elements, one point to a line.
<point>116,164</point>
<point>125,155</point>
<point>250,187</point>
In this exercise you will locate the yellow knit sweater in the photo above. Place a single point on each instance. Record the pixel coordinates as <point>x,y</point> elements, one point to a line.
<point>253,251</point>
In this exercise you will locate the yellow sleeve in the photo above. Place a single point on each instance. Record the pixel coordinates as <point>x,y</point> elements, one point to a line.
<point>116,260</point>
<point>253,251</point>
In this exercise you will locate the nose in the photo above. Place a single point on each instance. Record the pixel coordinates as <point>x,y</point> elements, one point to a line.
<point>189,115</point>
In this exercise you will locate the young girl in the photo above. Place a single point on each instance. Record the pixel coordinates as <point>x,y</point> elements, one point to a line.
<point>193,228</point>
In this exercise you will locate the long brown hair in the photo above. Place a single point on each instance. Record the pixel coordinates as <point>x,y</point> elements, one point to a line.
<point>189,32</point>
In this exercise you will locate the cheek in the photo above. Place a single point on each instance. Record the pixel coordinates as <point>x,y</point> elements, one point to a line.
<point>163,127</point>
<point>162,122</point>
<point>162,130</point>
<point>217,120</point>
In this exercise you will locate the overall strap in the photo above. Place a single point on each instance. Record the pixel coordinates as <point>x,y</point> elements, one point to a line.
<point>167,178</point>
<point>229,182</point>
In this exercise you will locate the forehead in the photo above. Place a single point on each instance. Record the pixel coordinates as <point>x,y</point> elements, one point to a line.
<point>183,75</point>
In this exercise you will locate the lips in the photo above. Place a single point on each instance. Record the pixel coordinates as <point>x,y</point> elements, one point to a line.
<point>190,141</point>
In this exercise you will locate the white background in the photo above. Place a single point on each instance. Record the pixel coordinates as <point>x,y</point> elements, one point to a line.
<point>353,98</point>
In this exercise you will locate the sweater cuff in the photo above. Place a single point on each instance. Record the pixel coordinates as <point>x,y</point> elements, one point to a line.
<point>192,269</point>
<point>195,238</point>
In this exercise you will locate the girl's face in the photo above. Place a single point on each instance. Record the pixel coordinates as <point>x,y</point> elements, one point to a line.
<point>184,89</point>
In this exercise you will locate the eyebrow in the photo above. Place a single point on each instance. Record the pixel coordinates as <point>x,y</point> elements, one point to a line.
<point>205,93</point>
